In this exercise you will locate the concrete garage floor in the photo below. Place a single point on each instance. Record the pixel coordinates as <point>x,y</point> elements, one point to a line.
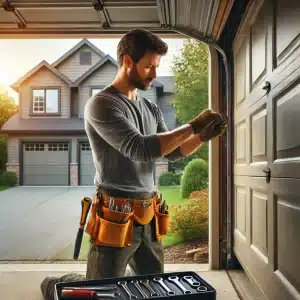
<point>22,281</point>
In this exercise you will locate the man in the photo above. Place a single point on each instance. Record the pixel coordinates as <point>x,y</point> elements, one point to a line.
<point>127,134</point>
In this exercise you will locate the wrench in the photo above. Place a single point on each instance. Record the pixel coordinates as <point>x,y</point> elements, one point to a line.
<point>202,288</point>
<point>191,281</point>
<point>139,288</point>
<point>92,288</point>
<point>165,287</point>
<point>127,290</point>
<point>175,279</point>
<point>108,295</point>
<point>145,282</point>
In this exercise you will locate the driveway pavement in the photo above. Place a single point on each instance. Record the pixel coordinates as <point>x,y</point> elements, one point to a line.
<point>37,222</point>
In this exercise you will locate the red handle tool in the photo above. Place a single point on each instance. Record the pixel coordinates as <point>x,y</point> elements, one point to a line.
<point>78,294</point>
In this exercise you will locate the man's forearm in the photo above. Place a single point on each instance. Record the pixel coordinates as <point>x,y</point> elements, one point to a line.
<point>191,145</point>
<point>171,140</point>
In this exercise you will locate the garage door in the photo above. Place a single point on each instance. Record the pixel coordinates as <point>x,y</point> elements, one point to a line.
<point>45,164</point>
<point>267,148</point>
<point>87,170</point>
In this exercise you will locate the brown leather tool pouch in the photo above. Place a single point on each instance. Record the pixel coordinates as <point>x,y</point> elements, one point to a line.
<point>162,222</point>
<point>143,211</point>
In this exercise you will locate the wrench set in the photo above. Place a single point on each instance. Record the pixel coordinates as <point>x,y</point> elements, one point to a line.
<point>180,285</point>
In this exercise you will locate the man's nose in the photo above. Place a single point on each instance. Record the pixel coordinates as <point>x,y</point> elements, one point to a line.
<point>153,73</point>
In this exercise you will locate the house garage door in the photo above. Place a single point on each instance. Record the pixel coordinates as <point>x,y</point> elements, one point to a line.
<point>87,170</point>
<point>267,148</point>
<point>45,164</point>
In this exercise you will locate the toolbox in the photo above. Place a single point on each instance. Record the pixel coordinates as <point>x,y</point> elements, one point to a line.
<point>175,285</point>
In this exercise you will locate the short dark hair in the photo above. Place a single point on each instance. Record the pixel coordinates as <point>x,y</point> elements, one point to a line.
<point>137,43</point>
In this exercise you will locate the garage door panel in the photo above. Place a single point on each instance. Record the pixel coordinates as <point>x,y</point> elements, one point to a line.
<point>286,136</point>
<point>45,163</point>
<point>287,261</point>
<point>87,169</point>
<point>287,28</point>
<point>258,44</point>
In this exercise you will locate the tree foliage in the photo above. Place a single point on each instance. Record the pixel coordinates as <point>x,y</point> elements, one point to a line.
<point>7,109</point>
<point>190,71</point>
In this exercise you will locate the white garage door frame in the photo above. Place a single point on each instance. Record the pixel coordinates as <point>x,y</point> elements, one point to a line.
<point>43,141</point>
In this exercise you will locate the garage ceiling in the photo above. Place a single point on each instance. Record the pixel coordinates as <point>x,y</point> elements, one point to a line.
<point>86,18</point>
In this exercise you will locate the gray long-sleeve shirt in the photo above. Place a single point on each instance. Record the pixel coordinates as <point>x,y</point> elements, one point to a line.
<point>124,142</point>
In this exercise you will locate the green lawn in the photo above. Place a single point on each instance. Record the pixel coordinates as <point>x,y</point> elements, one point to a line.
<point>172,196</point>
<point>2,188</point>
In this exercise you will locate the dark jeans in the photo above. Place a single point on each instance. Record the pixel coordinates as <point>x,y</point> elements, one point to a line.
<point>144,256</point>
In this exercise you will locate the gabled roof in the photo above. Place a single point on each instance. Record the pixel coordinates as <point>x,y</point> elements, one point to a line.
<point>42,64</point>
<point>106,58</point>
<point>100,63</point>
<point>75,48</point>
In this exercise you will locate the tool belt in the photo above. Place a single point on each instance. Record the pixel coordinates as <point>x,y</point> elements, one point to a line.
<point>114,228</point>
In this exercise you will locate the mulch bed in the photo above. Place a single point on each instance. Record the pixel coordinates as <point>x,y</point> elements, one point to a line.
<point>176,254</point>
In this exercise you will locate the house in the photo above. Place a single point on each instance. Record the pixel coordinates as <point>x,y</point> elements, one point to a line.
<point>47,144</point>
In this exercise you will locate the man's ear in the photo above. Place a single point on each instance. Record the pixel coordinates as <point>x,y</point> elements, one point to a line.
<point>127,61</point>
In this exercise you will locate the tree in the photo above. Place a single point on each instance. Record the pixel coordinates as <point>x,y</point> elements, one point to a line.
<point>190,71</point>
<point>7,109</point>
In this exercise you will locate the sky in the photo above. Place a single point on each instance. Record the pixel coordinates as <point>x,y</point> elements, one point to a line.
<point>20,56</point>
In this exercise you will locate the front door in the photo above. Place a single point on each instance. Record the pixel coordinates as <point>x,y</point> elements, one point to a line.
<point>267,147</point>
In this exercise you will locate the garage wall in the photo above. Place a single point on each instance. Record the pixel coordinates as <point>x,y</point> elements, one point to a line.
<point>44,78</point>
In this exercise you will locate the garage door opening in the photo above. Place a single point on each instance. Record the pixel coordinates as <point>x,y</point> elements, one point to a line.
<point>64,162</point>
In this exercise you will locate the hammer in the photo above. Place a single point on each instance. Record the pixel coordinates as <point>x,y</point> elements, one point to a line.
<point>86,203</point>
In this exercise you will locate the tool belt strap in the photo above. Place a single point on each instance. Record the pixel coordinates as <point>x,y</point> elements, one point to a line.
<point>143,211</point>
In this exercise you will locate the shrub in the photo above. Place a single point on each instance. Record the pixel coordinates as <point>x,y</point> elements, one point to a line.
<point>190,219</point>
<point>8,179</point>
<point>195,177</point>
<point>169,178</point>
<point>3,153</point>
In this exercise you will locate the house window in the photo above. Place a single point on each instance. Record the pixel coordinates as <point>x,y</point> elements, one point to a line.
<point>85,58</point>
<point>95,91</point>
<point>45,101</point>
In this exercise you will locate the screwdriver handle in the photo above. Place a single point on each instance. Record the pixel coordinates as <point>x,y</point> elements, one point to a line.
<point>78,294</point>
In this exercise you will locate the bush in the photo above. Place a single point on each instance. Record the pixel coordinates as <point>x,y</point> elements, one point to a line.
<point>8,179</point>
<point>190,220</point>
<point>3,154</point>
<point>169,178</point>
<point>195,177</point>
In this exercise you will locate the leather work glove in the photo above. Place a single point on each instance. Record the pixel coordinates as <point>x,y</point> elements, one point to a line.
<point>204,119</point>
<point>215,129</point>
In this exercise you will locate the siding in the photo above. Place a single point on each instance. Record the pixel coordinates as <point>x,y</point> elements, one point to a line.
<point>149,95</point>
<point>164,103</point>
<point>102,77</point>
<point>71,67</point>
<point>13,150</point>
<point>44,78</point>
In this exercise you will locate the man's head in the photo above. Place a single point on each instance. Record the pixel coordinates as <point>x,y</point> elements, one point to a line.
<point>139,53</point>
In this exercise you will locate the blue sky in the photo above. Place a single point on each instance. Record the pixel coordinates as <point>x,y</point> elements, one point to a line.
<point>19,56</point>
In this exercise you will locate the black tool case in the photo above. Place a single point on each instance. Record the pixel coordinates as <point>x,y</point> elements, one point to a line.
<point>200,290</point>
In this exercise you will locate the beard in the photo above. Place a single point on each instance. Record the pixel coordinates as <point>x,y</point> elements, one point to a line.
<point>136,81</point>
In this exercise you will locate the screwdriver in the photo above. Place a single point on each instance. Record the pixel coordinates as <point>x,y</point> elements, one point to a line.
<point>79,294</point>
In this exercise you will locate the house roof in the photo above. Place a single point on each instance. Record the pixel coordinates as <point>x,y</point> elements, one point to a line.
<point>47,125</point>
<point>167,82</point>
<point>42,64</point>
<point>75,48</point>
<point>106,58</point>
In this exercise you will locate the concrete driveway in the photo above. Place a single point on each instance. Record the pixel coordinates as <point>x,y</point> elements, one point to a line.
<point>37,222</point>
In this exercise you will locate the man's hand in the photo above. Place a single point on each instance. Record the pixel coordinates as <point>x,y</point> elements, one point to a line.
<point>215,129</point>
<point>204,119</point>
